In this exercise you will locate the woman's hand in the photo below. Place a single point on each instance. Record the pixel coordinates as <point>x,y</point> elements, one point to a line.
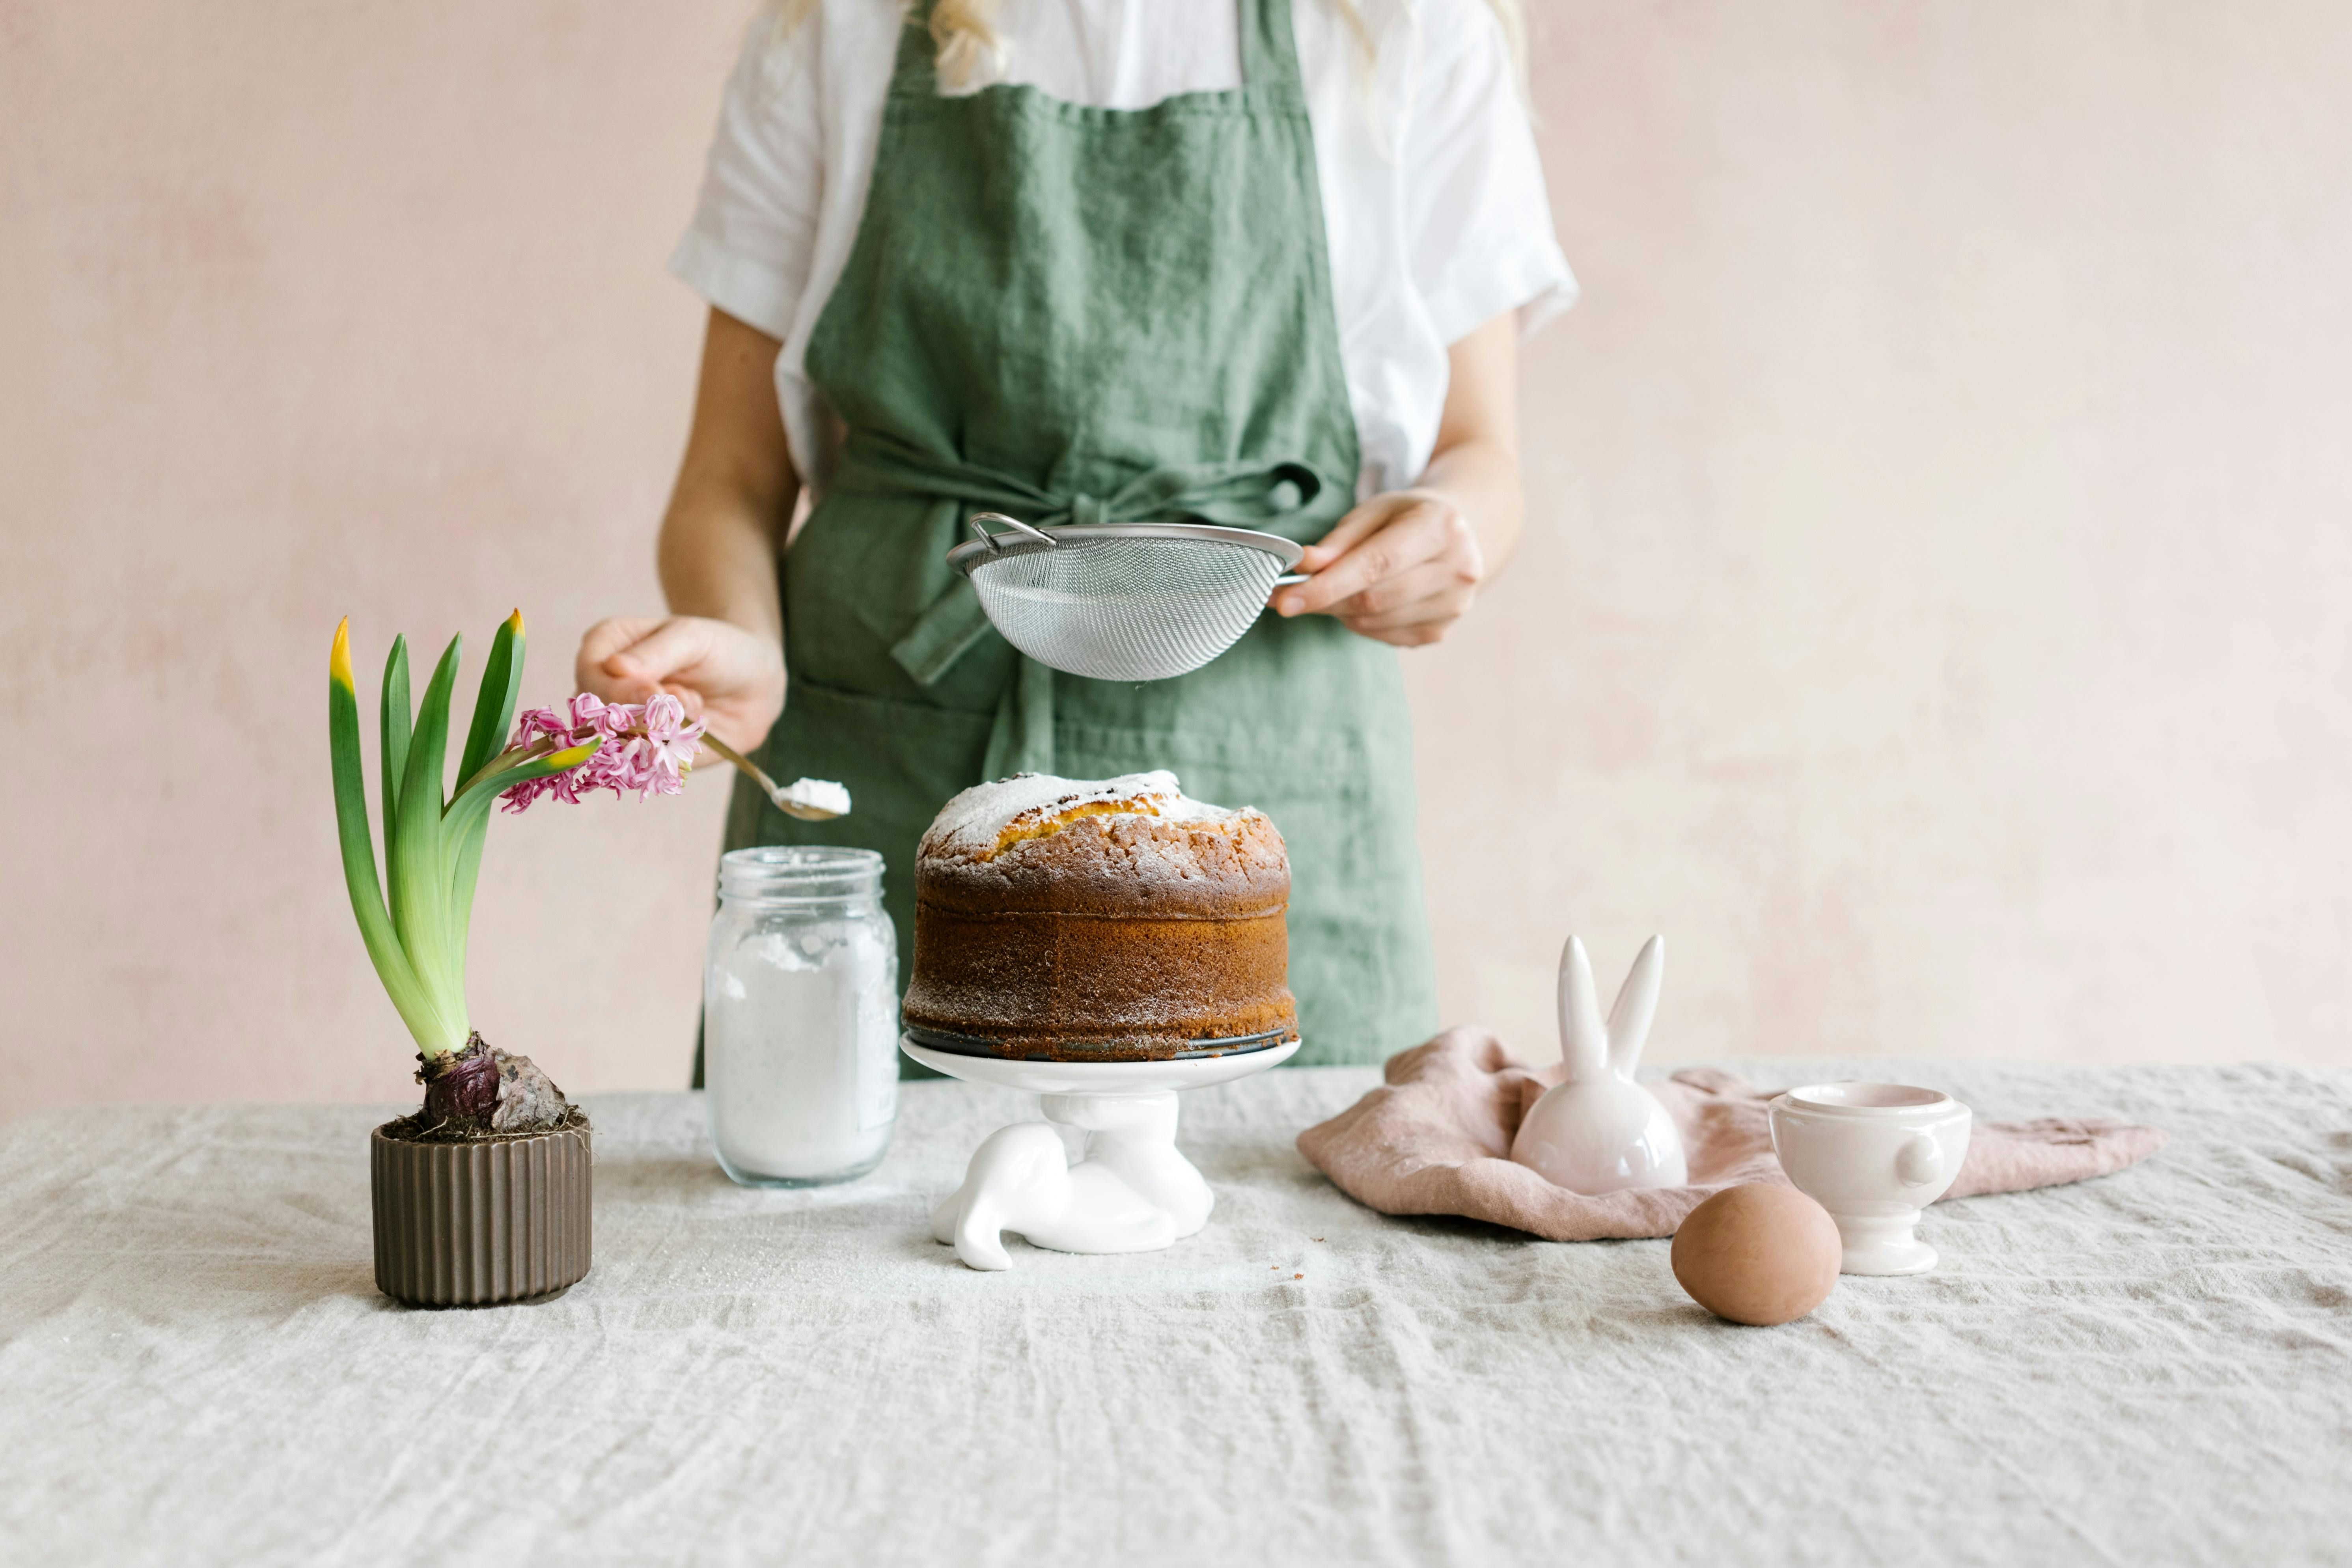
<point>1403,567</point>
<point>722,652</point>
<point>731,678</point>
<point>1398,569</point>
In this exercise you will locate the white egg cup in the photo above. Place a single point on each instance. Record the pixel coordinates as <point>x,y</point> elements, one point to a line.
<point>1597,1130</point>
<point>1873,1154</point>
<point>1131,1192</point>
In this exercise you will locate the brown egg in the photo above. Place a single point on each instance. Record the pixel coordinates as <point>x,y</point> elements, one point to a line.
<point>1761,1254</point>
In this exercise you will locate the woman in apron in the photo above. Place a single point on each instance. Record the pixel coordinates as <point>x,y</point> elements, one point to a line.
<point>955,266</point>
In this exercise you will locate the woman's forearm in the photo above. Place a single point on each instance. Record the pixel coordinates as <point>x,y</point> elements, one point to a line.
<point>1403,566</point>
<point>735,487</point>
<point>1481,479</point>
<point>1476,462</point>
<point>718,553</point>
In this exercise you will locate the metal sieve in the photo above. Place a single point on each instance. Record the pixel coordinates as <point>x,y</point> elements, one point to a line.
<point>1123,601</point>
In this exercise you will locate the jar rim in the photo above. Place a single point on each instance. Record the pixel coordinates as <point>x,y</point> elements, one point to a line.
<point>794,871</point>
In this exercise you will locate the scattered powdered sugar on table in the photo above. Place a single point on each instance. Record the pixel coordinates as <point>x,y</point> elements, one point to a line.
<point>975,822</point>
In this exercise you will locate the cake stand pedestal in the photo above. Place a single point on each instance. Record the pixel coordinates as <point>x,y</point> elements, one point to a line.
<point>1131,1192</point>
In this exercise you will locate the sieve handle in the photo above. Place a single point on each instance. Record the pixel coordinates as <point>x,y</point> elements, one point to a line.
<point>990,540</point>
<point>1287,578</point>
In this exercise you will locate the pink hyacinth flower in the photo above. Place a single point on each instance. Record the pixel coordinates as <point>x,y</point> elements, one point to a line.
<point>648,748</point>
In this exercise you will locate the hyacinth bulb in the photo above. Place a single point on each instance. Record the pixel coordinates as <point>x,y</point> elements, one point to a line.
<point>482,1086</point>
<point>462,1086</point>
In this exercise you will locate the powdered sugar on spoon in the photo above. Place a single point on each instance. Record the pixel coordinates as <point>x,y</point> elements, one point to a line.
<point>810,799</point>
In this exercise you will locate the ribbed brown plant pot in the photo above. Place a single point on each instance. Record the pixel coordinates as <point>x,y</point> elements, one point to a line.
<point>477,1223</point>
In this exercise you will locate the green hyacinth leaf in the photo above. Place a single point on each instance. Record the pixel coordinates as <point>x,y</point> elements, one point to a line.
<point>475,800</point>
<point>419,865</point>
<point>383,949</point>
<point>494,705</point>
<point>392,728</point>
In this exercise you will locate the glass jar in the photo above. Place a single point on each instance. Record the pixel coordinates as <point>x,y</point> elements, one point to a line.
<point>800,1016</point>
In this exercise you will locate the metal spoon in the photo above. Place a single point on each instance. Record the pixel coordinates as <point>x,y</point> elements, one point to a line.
<point>785,800</point>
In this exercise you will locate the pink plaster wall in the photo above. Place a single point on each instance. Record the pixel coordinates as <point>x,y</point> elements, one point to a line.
<point>1933,619</point>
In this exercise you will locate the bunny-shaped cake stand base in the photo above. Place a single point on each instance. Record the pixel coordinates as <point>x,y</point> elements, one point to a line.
<point>1597,1130</point>
<point>1131,1192</point>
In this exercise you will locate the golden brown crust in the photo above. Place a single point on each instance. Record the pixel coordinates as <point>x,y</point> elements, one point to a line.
<point>1075,986</point>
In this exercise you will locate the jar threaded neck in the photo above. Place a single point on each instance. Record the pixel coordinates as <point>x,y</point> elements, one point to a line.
<point>792,872</point>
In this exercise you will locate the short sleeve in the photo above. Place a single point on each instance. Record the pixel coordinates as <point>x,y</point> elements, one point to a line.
<point>1478,226</point>
<point>754,238</point>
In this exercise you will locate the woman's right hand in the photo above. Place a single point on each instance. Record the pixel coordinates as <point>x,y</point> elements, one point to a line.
<point>730,678</point>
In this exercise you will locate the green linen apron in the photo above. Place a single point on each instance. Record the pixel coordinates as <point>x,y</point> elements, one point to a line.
<point>1077,314</point>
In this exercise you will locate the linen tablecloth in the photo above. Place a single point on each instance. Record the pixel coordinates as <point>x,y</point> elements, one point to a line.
<point>195,1367</point>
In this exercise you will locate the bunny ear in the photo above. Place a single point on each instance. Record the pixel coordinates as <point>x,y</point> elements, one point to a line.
<point>1583,1042</point>
<point>1637,1004</point>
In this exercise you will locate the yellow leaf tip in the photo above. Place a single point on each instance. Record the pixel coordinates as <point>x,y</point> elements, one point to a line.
<point>514,622</point>
<point>339,660</point>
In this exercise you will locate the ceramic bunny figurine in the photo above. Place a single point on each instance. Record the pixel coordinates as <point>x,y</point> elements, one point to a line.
<point>1132,1192</point>
<point>1597,1130</point>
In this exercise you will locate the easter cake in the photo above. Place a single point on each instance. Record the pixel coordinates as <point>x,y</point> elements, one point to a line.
<point>1118,920</point>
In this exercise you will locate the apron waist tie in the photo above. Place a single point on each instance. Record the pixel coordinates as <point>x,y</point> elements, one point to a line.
<point>1238,494</point>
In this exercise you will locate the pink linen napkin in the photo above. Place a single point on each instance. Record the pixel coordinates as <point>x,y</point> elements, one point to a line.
<point>1437,1138</point>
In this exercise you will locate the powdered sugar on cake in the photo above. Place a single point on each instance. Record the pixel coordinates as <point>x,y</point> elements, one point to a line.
<point>986,819</point>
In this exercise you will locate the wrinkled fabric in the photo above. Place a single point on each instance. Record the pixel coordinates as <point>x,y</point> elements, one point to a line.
<point>1435,1138</point>
<point>195,1367</point>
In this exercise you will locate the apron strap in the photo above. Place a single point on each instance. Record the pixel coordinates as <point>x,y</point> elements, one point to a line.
<point>941,635</point>
<point>1245,493</point>
<point>1269,47</point>
<point>1021,741</point>
<point>1233,494</point>
<point>915,74</point>
<point>1269,50</point>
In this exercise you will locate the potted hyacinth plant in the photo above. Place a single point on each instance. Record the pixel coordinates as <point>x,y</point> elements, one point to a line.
<point>482,1195</point>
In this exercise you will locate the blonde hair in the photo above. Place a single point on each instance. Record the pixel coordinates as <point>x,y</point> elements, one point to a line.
<point>969,50</point>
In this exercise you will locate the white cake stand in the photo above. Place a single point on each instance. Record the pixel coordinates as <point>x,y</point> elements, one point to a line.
<point>1132,1192</point>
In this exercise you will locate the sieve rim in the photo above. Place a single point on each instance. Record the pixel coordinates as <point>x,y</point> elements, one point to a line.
<point>973,551</point>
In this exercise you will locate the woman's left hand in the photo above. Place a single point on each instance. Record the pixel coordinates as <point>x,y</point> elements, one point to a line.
<point>1400,569</point>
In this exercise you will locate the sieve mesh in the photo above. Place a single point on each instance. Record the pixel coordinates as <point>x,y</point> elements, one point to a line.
<point>1121,605</point>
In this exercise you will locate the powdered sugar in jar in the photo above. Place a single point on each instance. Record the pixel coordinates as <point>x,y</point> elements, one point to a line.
<point>800,1016</point>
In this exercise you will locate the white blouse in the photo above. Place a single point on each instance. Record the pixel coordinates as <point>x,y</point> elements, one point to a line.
<point>1433,198</point>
